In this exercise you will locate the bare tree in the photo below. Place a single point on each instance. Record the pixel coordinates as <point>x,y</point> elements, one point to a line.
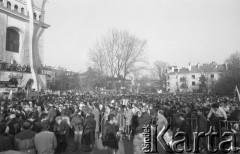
<point>233,63</point>
<point>159,73</point>
<point>231,77</point>
<point>207,82</point>
<point>118,54</point>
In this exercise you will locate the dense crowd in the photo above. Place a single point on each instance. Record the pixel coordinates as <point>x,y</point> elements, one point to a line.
<point>45,124</point>
<point>14,67</point>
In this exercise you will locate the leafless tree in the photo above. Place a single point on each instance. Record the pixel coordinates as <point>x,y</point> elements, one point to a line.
<point>159,73</point>
<point>118,54</point>
<point>207,82</point>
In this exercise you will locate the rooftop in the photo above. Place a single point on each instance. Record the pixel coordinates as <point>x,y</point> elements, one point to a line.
<point>204,68</point>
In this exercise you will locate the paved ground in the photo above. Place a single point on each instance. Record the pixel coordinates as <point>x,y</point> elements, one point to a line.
<point>125,147</point>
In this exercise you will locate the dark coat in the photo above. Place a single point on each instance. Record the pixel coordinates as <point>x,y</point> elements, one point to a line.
<point>202,124</point>
<point>144,120</point>
<point>109,136</point>
<point>6,143</point>
<point>89,130</point>
<point>24,141</point>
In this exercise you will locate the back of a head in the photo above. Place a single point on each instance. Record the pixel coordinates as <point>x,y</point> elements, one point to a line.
<point>3,127</point>
<point>110,117</point>
<point>215,105</point>
<point>45,125</point>
<point>26,125</point>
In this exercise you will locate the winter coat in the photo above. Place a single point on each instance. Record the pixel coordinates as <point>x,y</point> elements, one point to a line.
<point>6,143</point>
<point>24,141</point>
<point>96,114</point>
<point>109,136</point>
<point>77,123</point>
<point>144,120</point>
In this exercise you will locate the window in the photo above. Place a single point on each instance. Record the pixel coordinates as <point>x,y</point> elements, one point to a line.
<point>39,17</point>
<point>22,10</point>
<point>35,16</point>
<point>12,42</point>
<point>183,79</point>
<point>212,76</point>
<point>1,2</point>
<point>15,8</point>
<point>168,83</point>
<point>8,5</point>
<point>193,83</point>
<point>193,76</point>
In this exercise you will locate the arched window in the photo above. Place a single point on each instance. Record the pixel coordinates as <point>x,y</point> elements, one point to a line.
<point>35,16</point>
<point>15,8</point>
<point>8,5</point>
<point>12,42</point>
<point>22,10</point>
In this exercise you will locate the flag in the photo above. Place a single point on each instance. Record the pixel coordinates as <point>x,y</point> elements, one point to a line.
<point>10,95</point>
<point>237,94</point>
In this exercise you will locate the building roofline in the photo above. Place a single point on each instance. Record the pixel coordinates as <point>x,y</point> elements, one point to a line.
<point>20,16</point>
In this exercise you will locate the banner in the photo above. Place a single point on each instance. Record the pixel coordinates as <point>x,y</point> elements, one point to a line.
<point>237,94</point>
<point>8,90</point>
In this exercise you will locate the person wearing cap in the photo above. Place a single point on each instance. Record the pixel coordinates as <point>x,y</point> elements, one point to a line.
<point>24,141</point>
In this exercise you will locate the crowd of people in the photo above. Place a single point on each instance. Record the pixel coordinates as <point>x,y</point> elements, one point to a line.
<point>14,67</point>
<point>45,124</point>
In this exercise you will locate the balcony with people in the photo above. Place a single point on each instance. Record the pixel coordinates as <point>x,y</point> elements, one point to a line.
<point>14,67</point>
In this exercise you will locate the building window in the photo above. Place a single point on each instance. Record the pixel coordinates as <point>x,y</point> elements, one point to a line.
<point>8,5</point>
<point>193,83</point>
<point>22,10</point>
<point>212,76</point>
<point>15,8</point>
<point>193,76</point>
<point>12,41</point>
<point>39,17</point>
<point>35,16</point>
<point>168,83</point>
<point>1,2</point>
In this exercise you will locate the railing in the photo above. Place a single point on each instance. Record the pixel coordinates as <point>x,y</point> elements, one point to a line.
<point>14,67</point>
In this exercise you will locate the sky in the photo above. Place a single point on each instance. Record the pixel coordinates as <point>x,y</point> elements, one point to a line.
<point>178,32</point>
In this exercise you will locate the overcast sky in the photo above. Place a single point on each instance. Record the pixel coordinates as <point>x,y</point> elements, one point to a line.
<point>177,31</point>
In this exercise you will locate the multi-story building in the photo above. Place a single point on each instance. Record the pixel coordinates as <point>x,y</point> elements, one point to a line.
<point>14,41</point>
<point>190,79</point>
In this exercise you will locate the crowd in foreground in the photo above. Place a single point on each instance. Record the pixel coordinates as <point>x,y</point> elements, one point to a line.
<point>44,125</point>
